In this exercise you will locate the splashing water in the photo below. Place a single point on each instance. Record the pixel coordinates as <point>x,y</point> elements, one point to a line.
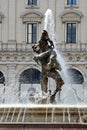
<point>11,94</point>
<point>49,25</point>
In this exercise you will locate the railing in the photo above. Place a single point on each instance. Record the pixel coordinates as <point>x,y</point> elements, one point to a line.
<point>78,47</point>
<point>16,47</point>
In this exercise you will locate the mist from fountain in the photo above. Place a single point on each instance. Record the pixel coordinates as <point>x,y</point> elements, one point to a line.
<point>49,25</point>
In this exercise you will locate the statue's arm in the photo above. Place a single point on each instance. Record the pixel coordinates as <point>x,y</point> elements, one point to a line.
<point>36,48</point>
<point>51,43</point>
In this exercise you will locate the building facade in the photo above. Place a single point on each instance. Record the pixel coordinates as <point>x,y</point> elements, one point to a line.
<point>21,24</point>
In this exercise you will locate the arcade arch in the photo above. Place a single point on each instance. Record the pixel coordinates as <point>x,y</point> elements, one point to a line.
<point>30,76</point>
<point>2,78</point>
<point>75,76</point>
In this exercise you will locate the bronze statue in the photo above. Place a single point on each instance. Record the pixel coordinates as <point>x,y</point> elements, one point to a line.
<point>47,57</point>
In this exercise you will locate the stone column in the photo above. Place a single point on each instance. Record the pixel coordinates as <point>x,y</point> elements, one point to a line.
<point>0,28</point>
<point>85,84</point>
<point>11,90</point>
<point>79,32</point>
<point>11,21</point>
<point>11,74</point>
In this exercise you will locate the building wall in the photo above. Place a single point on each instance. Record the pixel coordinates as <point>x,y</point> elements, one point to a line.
<point>12,21</point>
<point>13,55</point>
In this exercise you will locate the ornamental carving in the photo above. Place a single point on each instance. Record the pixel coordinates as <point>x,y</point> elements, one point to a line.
<point>32,16</point>
<point>71,16</point>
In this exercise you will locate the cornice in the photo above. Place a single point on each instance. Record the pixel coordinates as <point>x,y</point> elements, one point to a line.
<point>33,15</point>
<point>71,16</point>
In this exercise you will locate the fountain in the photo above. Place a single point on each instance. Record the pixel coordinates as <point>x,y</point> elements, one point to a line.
<point>52,114</point>
<point>47,57</point>
<point>53,66</point>
<point>58,91</point>
<point>46,107</point>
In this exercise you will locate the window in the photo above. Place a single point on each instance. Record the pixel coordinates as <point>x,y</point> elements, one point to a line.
<point>71,33</point>
<point>32,20</point>
<point>71,2</point>
<point>32,33</point>
<point>71,21</point>
<point>30,76</point>
<point>32,2</point>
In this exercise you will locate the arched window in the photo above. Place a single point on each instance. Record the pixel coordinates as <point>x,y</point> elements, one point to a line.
<point>2,78</point>
<point>30,76</point>
<point>75,76</point>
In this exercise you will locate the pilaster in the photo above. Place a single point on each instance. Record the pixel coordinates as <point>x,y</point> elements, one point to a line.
<point>11,20</point>
<point>11,73</point>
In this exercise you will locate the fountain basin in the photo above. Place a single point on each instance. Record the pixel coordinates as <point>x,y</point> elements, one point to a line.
<point>42,114</point>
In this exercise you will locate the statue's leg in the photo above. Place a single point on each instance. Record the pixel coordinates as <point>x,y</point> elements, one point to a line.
<point>44,83</point>
<point>59,82</point>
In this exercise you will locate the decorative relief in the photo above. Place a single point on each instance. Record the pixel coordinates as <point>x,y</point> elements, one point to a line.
<point>70,58</point>
<point>23,58</point>
<point>15,58</point>
<point>31,16</point>
<point>71,16</point>
<point>76,57</point>
<point>32,7</point>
